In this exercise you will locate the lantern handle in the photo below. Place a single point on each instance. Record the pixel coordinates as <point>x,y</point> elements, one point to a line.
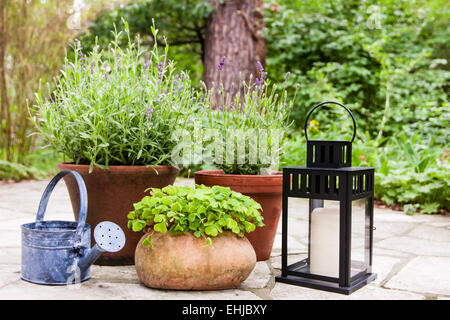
<point>332,102</point>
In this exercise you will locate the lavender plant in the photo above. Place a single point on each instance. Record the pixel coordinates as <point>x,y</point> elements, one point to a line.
<point>117,106</point>
<point>252,121</point>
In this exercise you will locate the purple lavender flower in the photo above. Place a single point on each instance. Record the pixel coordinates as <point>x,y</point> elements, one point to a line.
<point>148,112</point>
<point>147,63</point>
<point>181,89</point>
<point>287,76</point>
<point>175,84</point>
<point>78,43</point>
<point>262,73</point>
<point>259,66</point>
<point>82,57</point>
<point>160,67</point>
<point>221,64</point>
<point>258,83</point>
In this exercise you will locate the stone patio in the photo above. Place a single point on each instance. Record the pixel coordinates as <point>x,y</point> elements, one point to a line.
<point>411,258</point>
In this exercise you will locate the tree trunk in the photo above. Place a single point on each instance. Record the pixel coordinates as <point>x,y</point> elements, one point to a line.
<point>234,31</point>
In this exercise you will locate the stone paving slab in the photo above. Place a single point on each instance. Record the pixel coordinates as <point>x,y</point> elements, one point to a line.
<point>424,275</point>
<point>411,257</point>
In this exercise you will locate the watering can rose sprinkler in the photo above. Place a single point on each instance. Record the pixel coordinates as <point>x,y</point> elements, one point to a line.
<point>58,252</point>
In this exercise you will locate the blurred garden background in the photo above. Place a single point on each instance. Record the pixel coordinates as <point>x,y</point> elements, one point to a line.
<point>386,60</point>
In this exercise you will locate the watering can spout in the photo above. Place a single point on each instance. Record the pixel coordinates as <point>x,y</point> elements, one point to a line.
<point>109,237</point>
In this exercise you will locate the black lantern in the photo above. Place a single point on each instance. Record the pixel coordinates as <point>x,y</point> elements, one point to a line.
<point>340,228</point>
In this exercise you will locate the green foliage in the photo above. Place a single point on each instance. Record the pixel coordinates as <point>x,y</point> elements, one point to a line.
<point>203,211</point>
<point>396,70</point>
<point>183,24</point>
<point>408,171</point>
<point>393,76</point>
<point>118,106</point>
<point>33,37</point>
<point>39,165</point>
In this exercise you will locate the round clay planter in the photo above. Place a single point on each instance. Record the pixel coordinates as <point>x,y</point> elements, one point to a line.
<point>264,189</point>
<point>184,262</point>
<point>111,195</point>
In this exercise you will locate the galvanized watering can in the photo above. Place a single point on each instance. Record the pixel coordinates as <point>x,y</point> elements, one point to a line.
<point>58,252</point>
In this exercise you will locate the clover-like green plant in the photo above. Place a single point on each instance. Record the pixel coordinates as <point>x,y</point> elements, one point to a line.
<point>204,211</point>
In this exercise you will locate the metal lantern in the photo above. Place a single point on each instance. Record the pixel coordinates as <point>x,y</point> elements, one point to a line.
<point>340,226</point>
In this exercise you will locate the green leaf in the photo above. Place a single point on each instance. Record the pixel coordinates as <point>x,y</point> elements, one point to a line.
<point>138,225</point>
<point>409,152</point>
<point>160,227</point>
<point>235,229</point>
<point>170,190</point>
<point>147,242</point>
<point>176,207</point>
<point>158,218</point>
<point>211,230</point>
<point>423,164</point>
<point>197,234</point>
<point>429,208</point>
<point>249,227</point>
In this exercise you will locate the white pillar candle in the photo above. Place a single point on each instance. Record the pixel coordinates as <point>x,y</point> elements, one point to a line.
<point>324,245</point>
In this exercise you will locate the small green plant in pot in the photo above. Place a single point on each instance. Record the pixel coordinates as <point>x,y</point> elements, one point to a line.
<point>112,114</point>
<point>194,237</point>
<point>253,122</point>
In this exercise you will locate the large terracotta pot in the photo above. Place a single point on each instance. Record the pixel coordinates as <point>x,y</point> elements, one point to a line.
<point>265,189</point>
<point>111,194</point>
<point>183,262</point>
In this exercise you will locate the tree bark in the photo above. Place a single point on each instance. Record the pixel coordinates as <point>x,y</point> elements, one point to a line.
<point>234,31</point>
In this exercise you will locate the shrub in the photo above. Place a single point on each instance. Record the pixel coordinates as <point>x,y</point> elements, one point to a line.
<point>408,171</point>
<point>118,106</point>
<point>253,120</point>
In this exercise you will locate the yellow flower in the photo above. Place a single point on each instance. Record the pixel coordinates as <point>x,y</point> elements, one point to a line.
<point>313,125</point>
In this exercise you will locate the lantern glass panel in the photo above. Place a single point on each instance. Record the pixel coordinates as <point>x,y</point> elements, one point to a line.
<point>360,237</point>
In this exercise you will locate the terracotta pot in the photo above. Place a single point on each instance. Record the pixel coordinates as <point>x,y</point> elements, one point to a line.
<point>183,262</point>
<point>265,189</point>
<point>111,194</point>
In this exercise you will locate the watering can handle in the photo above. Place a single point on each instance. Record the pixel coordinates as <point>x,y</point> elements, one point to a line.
<point>330,102</point>
<point>83,200</point>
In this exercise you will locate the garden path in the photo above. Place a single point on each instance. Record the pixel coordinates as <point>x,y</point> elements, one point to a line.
<point>411,258</point>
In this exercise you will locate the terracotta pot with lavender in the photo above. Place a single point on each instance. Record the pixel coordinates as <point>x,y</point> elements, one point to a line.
<point>114,120</point>
<point>250,130</point>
